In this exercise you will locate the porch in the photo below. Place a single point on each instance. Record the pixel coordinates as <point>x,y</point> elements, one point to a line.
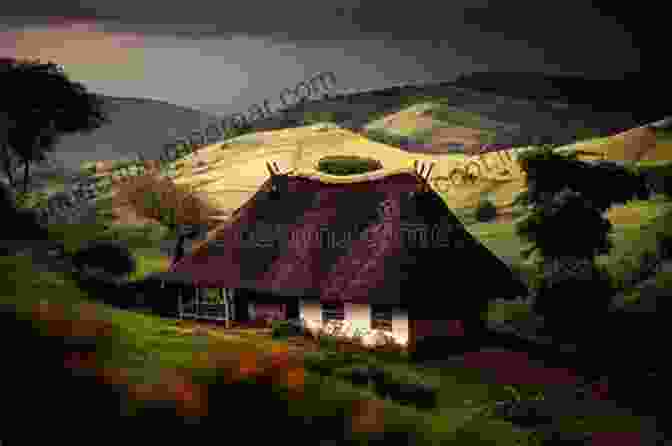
<point>234,305</point>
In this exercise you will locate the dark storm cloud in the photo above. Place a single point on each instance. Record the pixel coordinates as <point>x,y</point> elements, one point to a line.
<point>307,20</point>
<point>572,33</point>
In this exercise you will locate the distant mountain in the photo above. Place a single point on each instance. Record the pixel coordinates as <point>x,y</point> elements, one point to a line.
<point>634,93</point>
<point>137,125</point>
<point>144,125</point>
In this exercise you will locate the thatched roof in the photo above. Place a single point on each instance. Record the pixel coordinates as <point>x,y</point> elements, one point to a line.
<point>273,244</point>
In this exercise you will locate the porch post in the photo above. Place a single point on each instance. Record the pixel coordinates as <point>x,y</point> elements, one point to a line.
<point>233,302</point>
<point>179,302</point>
<point>197,295</point>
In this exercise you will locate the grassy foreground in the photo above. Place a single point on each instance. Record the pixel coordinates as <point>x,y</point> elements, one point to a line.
<point>148,348</point>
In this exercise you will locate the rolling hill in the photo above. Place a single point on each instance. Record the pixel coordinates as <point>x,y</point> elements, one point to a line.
<point>137,125</point>
<point>448,115</point>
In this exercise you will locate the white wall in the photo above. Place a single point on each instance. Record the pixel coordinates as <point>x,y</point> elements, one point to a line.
<point>400,324</point>
<point>359,315</point>
<point>310,310</point>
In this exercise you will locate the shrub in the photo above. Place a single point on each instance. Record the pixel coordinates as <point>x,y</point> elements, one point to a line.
<point>522,198</point>
<point>159,198</point>
<point>347,165</point>
<point>486,211</point>
<point>112,257</point>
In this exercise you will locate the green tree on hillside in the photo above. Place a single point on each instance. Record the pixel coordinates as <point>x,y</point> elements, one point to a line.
<point>52,105</point>
<point>567,228</point>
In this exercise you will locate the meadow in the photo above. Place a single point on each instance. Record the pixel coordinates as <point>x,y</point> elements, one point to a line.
<point>146,346</point>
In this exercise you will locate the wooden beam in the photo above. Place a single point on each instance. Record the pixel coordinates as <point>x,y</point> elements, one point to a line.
<point>179,302</point>
<point>270,169</point>
<point>232,300</point>
<point>429,172</point>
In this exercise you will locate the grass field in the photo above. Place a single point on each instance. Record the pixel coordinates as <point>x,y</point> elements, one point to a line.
<point>147,345</point>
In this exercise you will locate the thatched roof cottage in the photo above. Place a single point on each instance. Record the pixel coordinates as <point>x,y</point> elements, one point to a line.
<point>378,248</point>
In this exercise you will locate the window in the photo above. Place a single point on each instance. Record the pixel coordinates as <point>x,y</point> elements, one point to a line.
<point>332,312</point>
<point>381,317</point>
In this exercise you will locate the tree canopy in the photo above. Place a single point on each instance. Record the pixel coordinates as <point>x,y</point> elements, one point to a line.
<point>603,183</point>
<point>41,104</point>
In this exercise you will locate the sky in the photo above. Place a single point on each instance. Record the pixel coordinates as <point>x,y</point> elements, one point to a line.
<point>212,56</point>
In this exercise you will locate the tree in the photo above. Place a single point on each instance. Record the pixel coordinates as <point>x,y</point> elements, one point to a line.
<point>32,123</point>
<point>566,209</point>
<point>564,196</point>
<point>21,224</point>
<point>549,172</point>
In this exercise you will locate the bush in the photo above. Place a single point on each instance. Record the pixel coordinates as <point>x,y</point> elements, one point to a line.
<point>522,198</point>
<point>112,257</point>
<point>486,211</point>
<point>347,165</point>
<point>159,198</point>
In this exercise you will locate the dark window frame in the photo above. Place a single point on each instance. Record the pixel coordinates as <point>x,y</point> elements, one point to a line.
<point>333,312</point>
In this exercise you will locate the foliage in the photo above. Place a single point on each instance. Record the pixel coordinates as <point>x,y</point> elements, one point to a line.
<point>319,116</point>
<point>161,199</point>
<point>486,211</point>
<point>30,200</point>
<point>87,168</point>
<point>347,165</point>
<point>20,223</point>
<point>55,106</point>
<point>546,221</point>
<point>579,295</point>
<point>457,117</point>
<point>549,172</point>
<point>112,257</point>
<point>522,199</point>
<point>396,140</point>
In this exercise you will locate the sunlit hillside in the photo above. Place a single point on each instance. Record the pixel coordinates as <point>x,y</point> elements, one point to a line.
<point>231,172</point>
